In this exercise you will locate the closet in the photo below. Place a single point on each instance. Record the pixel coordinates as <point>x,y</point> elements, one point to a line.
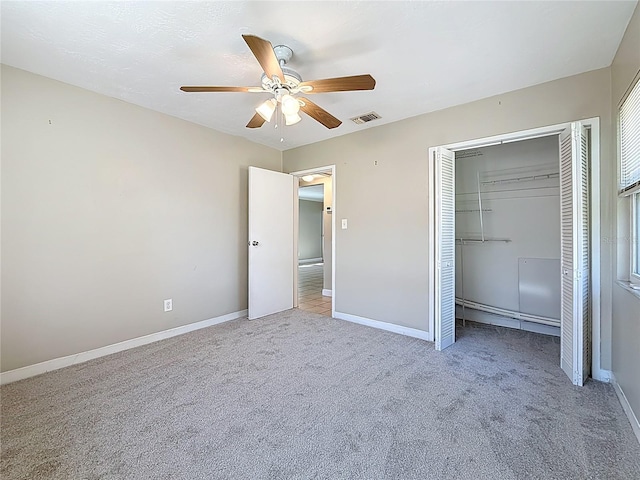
<point>507,235</point>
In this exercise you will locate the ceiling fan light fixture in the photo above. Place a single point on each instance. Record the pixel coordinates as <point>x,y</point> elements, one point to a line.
<point>290,105</point>
<point>267,108</point>
<point>292,119</point>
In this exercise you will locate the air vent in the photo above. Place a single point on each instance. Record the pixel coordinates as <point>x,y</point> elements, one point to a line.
<point>366,117</point>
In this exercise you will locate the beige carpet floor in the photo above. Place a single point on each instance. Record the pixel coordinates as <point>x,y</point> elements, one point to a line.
<point>299,395</point>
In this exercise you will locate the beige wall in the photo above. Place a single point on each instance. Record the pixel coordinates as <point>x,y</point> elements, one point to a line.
<point>381,259</point>
<point>626,305</point>
<point>109,208</point>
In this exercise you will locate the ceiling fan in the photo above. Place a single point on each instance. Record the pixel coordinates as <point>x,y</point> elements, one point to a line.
<point>285,84</point>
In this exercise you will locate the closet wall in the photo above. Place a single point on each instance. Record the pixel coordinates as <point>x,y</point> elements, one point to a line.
<point>509,257</point>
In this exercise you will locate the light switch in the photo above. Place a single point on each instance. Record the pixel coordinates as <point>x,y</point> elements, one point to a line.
<point>344,223</point>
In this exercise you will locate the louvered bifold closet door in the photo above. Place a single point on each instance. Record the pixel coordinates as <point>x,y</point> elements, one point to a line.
<point>566,255</point>
<point>445,291</point>
<point>580,140</point>
<point>575,348</point>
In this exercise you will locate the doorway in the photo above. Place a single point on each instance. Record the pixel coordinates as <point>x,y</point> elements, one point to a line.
<point>273,240</point>
<point>314,244</point>
<point>507,235</point>
<point>311,235</point>
<point>580,241</point>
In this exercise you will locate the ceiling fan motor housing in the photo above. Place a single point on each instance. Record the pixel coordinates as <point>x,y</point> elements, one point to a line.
<point>291,80</point>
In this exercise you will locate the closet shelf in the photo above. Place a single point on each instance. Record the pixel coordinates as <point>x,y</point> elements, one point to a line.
<point>474,210</point>
<point>530,178</point>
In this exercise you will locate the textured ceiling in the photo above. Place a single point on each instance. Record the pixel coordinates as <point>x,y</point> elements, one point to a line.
<point>425,56</point>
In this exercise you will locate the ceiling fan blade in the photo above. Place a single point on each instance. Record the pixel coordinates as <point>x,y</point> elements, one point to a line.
<point>319,114</point>
<point>263,51</point>
<point>255,122</point>
<point>218,89</point>
<point>341,84</point>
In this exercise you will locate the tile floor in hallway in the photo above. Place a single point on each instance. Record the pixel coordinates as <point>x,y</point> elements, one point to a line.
<point>310,279</point>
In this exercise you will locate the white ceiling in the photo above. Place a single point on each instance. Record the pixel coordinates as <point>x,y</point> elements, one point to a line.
<point>425,56</point>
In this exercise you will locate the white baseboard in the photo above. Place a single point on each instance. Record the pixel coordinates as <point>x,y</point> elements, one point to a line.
<point>57,363</point>
<point>327,293</point>
<point>602,375</point>
<point>390,327</point>
<point>635,425</point>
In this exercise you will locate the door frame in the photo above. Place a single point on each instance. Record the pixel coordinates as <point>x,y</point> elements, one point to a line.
<point>296,227</point>
<point>593,124</point>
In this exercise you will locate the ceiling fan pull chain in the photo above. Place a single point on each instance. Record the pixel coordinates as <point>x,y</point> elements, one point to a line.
<point>282,123</point>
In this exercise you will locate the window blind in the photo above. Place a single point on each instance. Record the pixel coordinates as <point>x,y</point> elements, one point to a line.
<point>630,141</point>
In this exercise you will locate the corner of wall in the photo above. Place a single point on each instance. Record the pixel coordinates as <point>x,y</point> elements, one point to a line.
<point>624,402</point>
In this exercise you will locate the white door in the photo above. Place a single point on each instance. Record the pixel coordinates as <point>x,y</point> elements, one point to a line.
<point>575,347</point>
<point>445,288</point>
<point>271,241</point>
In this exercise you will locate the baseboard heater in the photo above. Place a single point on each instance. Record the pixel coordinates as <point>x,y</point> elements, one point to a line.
<point>508,313</point>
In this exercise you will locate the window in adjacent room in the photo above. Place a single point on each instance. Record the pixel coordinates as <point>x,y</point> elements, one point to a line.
<point>630,170</point>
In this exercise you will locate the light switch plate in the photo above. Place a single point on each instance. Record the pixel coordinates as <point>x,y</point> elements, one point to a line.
<point>344,223</point>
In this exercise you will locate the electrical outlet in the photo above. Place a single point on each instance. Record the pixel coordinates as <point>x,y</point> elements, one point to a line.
<point>168,305</point>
